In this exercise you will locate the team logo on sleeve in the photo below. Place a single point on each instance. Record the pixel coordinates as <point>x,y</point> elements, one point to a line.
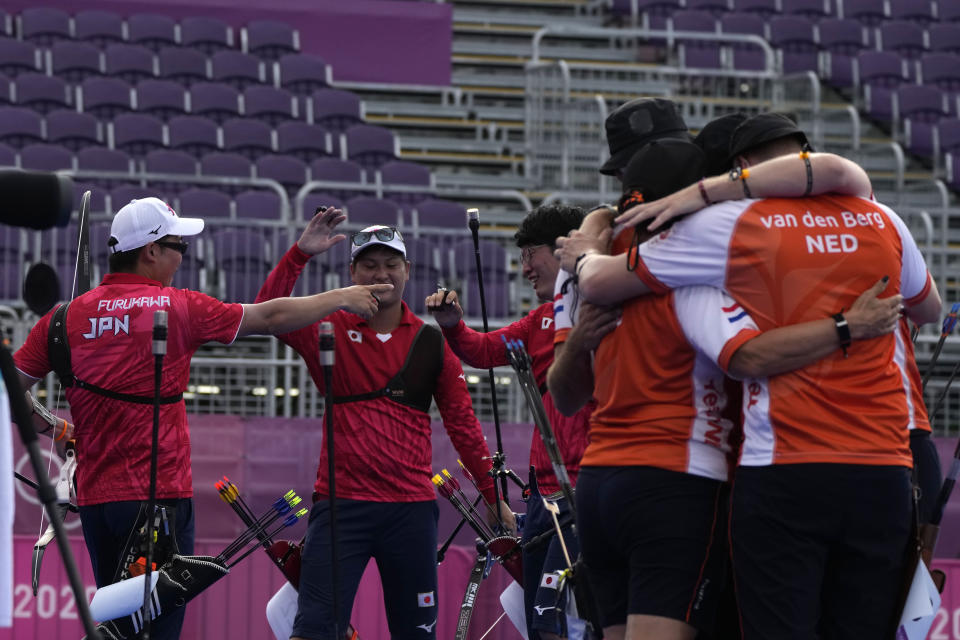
<point>354,336</point>
<point>426,599</point>
<point>545,322</point>
<point>734,312</point>
<point>550,580</point>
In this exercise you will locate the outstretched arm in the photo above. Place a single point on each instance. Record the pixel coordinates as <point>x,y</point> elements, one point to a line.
<point>783,177</point>
<point>283,315</point>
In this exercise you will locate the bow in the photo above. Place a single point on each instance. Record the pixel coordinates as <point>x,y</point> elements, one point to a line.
<point>81,284</point>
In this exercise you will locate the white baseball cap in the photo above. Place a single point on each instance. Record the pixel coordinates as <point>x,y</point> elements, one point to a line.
<point>377,234</point>
<point>147,220</point>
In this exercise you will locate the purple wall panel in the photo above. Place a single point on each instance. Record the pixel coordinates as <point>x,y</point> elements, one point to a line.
<point>364,40</point>
<point>234,607</point>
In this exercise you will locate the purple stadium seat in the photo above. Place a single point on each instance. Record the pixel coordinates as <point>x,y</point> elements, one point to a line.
<point>242,260</point>
<point>185,66</point>
<point>318,199</point>
<point>226,164</point>
<point>495,280</point>
<point>205,203</point>
<point>270,39</point>
<point>336,109</point>
<point>746,57</point>
<point>342,171</point>
<point>369,145</point>
<point>302,73</point>
<point>904,38</point>
<point>103,159</point>
<point>763,8</point>
<point>407,174</point>
<point>941,70</point>
<point>870,13</point>
<point>794,36</point>
<point>173,163</point>
<point>164,99</point>
<point>17,57</point>
<point>236,68</point>
<point>944,37</point>
<point>213,100</point>
<point>75,61</point>
<point>948,130</point>
<point>46,157</point>
<point>654,13</point>
<point>105,97</point>
<point>194,134</point>
<point>247,137</point>
<point>288,171</point>
<point>920,107</point>
<point>6,88</point>
<point>151,31</point>
<point>841,40</point>
<point>921,12</point>
<point>73,130</point>
<point>208,34</point>
<point>716,7</point>
<point>269,103</point>
<point>122,195</point>
<point>949,11</point>
<point>8,156</point>
<point>879,73</point>
<point>440,213</point>
<point>99,27</point>
<point>170,161</point>
<point>129,62</point>
<point>258,204</point>
<point>20,126</point>
<point>811,9</point>
<point>41,92</point>
<point>137,133</point>
<point>365,210</point>
<point>698,54</point>
<point>305,141</point>
<point>6,23</point>
<point>44,25</point>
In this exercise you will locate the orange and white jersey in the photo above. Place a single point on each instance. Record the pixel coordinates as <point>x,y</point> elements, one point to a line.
<point>788,261</point>
<point>662,400</point>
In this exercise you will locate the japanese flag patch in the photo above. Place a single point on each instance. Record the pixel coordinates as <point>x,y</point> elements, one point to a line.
<point>426,599</point>
<point>550,580</point>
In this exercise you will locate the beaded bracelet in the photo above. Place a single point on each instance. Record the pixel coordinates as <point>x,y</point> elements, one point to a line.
<point>805,156</point>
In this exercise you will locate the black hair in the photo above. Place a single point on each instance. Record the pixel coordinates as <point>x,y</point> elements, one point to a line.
<point>545,224</point>
<point>124,261</point>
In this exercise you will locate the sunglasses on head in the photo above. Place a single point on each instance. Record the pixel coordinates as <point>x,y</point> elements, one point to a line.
<point>179,247</point>
<point>386,234</point>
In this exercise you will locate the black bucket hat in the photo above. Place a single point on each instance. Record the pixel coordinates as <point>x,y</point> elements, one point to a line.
<point>663,167</point>
<point>762,128</point>
<point>714,139</point>
<point>635,123</point>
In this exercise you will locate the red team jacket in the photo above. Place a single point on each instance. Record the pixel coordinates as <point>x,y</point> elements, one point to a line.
<point>110,330</point>
<point>383,449</point>
<point>485,350</point>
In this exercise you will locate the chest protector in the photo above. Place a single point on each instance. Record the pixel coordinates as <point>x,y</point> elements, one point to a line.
<point>58,350</point>
<point>414,384</point>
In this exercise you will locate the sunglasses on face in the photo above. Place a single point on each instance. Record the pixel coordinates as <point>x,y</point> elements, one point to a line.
<point>386,234</point>
<point>179,247</point>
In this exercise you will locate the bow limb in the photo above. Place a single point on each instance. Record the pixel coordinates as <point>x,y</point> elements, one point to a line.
<point>65,491</point>
<point>81,284</point>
